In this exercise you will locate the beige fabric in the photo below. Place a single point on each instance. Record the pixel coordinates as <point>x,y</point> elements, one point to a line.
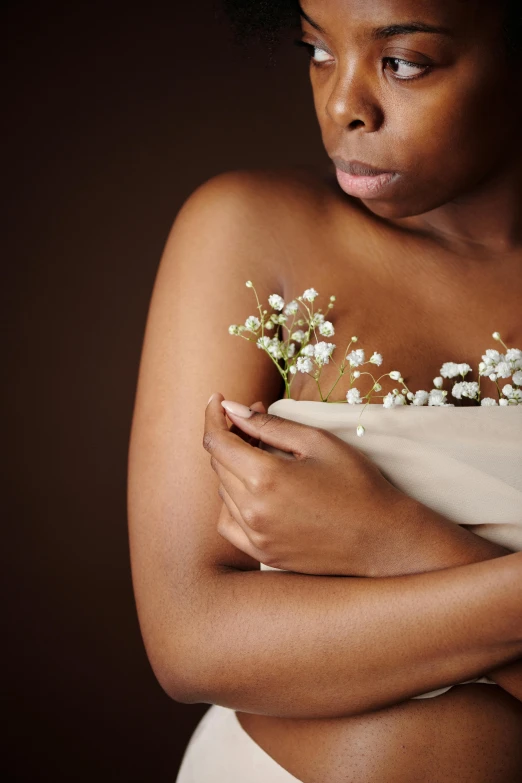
<point>463,462</point>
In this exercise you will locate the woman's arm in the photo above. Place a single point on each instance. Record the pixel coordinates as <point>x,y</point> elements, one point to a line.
<point>302,646</point>
<point>214,627</point>
<point>439,544</point>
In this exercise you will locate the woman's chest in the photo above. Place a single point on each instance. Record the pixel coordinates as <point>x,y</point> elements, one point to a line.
<point>471,732</point>
<point>415,317</point>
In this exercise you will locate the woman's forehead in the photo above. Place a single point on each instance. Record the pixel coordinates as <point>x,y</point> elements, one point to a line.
<point>453,16</point>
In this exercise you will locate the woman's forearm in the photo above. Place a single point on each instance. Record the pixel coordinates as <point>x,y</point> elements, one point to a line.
<point>295,645</point>
<point>440,543</point>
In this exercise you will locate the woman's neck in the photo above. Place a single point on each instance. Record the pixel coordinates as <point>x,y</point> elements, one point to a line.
<point>485,223</point>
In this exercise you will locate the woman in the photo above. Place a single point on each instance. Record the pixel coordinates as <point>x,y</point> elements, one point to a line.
<point>313,677</point>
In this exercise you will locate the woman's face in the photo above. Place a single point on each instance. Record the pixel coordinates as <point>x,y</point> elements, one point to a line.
<point>439,108</point>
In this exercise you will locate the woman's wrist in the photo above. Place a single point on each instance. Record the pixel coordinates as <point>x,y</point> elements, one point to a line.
<point>422,539</point>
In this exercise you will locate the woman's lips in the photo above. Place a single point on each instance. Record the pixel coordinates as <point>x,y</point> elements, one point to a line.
<point>364,186</point>
<point>360,179</point>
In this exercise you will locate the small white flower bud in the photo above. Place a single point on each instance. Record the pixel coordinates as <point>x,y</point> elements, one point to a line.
<point>332,299</point>
<point>377,387</point>
<point>249,284</point>
<point>496,336</point>
<point>493,377</point>
<point>437,382</point>
<point>410,395</point>
<point>395,375</point>
<point>354,339</point>
<point>356,373</point>
<point>360,430</point>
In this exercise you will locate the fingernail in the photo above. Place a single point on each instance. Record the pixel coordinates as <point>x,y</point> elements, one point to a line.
<point>211,397</point>
<point>237,408</point>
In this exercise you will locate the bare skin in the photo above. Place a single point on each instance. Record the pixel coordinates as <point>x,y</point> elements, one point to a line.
<point>423,277</point>
<point>433,305</point>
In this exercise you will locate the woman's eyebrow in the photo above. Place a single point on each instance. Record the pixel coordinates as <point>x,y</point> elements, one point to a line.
<point>390,30</point>
<point>311,21</point>
<point>412,27</point>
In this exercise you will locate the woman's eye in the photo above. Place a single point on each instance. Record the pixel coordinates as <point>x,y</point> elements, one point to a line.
<point>315,53</point>
<point>319,55</point>
<point>404,69</point>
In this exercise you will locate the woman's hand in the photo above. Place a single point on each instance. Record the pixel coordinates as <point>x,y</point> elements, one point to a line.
<point>320,507</point>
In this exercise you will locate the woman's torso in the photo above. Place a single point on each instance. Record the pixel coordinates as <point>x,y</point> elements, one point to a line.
<point>419,305</point>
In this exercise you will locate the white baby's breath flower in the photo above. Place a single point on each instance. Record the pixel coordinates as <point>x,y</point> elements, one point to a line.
<point>252,323</point>
<point>323,352</point>
<point>437,382</point>
<point>395,375</point>
<point>490,359</point>
<point>465,389</point>
<point>376,386</point>
<point>304,364</point>
<point>293,369</point>
<point>292,307</point>
<point>360,430</point>
<point>356,373</point>
<point>449,370</point>
<point>496,335</point>
<point>517,378</point>
<point>353,396</point>
<point>421,397</point>
<point>299,335</point>
<point>269,324</point>
<point>513,395</point>
<point>503,401</point>
<point>437,397</point>
<point>249,284</point>
<point>317,319</point>
<point>356,358</point>
<point>488,401</point>
<point>376,358</point>
<point>275,348</point>
<point>388,400</point>
<point>290,351</point>
<point>263,342</point>
<point>393,399</point>
<point>308,350</point>
<point>326,329</point>
<point>514,355</point>
<point>503,370</point>
<point>310,294</point>
<point>276,301</point>
<point>493,377</point>
<point>233,329</point>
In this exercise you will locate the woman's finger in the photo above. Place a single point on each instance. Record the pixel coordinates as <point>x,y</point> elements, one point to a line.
<point>242,459</point>
<point>228,528</point>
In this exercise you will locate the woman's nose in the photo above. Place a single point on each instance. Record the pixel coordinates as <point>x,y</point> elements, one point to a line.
<point>353,104</point>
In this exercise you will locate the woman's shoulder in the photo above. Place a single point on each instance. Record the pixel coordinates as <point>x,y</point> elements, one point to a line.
<point>287,212</point>
<point>293,193</point>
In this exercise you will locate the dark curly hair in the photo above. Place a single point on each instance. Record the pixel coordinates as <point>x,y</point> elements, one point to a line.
<point>265,20</point>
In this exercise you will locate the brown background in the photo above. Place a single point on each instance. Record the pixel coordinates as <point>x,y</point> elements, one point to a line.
<point>116,112</point>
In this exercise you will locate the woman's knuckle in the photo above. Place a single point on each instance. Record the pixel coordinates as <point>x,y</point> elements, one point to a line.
<point>208,440</point>
<point>263,480</point>
<point>253,517</point>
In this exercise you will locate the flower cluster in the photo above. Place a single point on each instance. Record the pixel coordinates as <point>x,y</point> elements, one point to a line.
<point>296,353</point>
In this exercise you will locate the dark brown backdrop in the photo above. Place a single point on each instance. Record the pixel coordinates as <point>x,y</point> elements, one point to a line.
<point>116,112</point>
